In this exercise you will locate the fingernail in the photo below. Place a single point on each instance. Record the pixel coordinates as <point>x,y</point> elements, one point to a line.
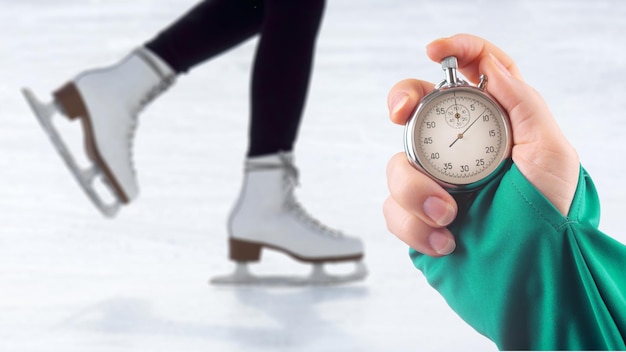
<point>440,211</point>
<point>442,243</point>
<point>398,101</point>
<point>500,65</point>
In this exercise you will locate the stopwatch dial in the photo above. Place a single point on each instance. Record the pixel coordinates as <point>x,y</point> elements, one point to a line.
<point>461,137</point>
<point>457,116</point>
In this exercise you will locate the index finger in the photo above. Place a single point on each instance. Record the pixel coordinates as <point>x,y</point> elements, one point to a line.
<point>469,51</point>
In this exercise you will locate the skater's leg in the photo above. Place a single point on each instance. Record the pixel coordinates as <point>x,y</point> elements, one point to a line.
<point>281,74</point>
<point>107,100</point>
<point>208,29</point>
<point>267,214</point>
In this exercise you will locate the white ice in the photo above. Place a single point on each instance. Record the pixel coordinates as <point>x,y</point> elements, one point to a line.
<point>71,280</point>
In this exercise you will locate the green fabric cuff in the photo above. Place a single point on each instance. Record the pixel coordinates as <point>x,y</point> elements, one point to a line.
<point>528,277</point>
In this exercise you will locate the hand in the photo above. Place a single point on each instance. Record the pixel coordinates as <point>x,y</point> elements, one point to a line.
<point>419,210</point>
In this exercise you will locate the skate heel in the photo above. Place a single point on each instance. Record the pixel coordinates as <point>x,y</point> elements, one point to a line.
<point>70,101</point>
<point>243,251</point>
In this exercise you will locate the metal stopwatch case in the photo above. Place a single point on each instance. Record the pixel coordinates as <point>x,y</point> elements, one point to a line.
<point>459,134</point>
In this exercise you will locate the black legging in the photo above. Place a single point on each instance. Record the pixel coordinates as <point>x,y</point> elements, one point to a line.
<point>282,67</point>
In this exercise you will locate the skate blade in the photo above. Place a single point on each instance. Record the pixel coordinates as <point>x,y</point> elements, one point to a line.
<point>84,176</point>
<point>318,277</point>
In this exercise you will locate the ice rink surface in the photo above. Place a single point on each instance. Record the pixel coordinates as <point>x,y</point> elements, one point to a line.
<point>71,280</point>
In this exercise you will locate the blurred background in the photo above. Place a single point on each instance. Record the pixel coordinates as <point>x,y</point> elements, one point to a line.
<point>71,280</point>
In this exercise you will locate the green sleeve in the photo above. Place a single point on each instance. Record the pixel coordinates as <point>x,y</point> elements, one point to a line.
<point>529,278</point>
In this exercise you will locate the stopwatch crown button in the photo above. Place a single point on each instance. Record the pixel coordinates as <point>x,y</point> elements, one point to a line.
<point>449,62</point>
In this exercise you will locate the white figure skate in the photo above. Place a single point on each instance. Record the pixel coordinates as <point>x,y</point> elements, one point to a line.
<point>107,102</point>
<point>267,215</point>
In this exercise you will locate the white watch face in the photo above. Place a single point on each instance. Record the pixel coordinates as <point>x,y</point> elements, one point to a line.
<point>459,136</point>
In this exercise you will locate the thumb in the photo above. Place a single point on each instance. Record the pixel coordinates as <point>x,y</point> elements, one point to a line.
<point>531,119</point>
<point>540,150</point>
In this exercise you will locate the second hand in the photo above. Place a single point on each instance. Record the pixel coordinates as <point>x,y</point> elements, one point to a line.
<point>460,135</point>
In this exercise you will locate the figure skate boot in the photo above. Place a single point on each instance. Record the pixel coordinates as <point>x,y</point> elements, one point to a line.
<point>268,216</point>
<point>107,102</point>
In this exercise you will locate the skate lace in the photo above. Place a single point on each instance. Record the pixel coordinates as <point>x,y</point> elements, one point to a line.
<point>157,90</point>
<point>292,205</point>
<point>154,92</point>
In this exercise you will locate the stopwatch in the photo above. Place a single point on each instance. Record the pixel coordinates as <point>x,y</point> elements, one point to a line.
<point>459,134</point>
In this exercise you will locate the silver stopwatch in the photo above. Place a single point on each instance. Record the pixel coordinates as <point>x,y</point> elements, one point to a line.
<point>458,134</point>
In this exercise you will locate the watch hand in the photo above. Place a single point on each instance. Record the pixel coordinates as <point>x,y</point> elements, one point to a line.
<point>460,135</point>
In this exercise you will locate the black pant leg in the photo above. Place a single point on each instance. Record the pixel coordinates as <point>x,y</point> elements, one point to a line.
<point>282,65</point>
<point>208,29</point>
<point>281,74</point>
